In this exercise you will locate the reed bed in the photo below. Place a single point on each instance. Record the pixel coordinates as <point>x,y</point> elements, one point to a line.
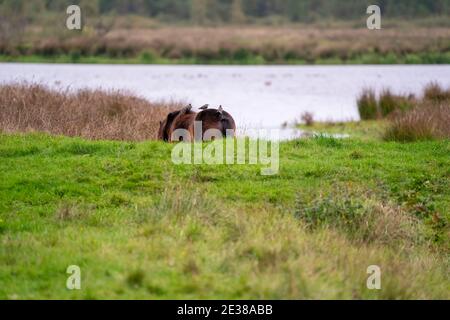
<point>91,114</point>
<point>411,118</point>
<point>425,122</point>
<point>372,107</point>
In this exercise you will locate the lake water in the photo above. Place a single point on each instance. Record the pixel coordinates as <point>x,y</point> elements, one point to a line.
<point>257,96</point>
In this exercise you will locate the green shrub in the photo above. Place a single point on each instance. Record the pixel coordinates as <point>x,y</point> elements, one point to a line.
<point>75,56</point>
<point>361,218</point>
<point>336,211</point>
<point>242,54</point>
<point>148,57</point>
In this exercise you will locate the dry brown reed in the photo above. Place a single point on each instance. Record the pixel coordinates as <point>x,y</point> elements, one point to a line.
<point>411,118</point>
<point>91,114</point>
<point>435,93</point>
<point>426,121</point>
<point>307,118</point>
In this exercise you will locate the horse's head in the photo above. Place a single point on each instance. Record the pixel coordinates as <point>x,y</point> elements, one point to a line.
<point>165,125</point>
<point>162,129</point>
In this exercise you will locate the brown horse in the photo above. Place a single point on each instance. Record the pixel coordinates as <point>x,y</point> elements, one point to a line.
<point>186,119</point>
<point>183,121</point>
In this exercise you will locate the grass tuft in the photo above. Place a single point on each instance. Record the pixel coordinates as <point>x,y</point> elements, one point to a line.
<point>367,105</point>
<point>361,218</point>
<point>435,93</point>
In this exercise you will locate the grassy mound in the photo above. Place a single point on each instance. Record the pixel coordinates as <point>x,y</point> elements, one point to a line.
<point>141,227</point>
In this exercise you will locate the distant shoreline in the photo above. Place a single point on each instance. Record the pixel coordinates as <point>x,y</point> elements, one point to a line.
<point>235,46</point>
<point>366,59</point>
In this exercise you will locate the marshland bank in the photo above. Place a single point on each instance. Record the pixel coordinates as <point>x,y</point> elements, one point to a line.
<point>140,226</point>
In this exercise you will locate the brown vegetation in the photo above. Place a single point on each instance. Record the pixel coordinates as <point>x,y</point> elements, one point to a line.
<point>272,44</point>
<point>91,114</point>
<point>411,118</point>
<point>275,43</point>
<point>307,118</point>
<point>429,118</point>
<point>424,122</point>
<point>435,93</point>
<point>371,108</point>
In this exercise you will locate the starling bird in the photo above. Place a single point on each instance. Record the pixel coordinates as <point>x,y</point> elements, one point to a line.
<point>204,107</point>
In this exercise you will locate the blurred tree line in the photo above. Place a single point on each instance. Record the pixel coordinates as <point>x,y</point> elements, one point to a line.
<point>231,11</point>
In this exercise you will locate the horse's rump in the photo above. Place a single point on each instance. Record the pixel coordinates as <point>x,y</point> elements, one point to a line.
<point>217,119</point>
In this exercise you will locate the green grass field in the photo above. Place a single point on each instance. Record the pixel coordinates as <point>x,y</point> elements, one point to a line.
<point>141,227</point>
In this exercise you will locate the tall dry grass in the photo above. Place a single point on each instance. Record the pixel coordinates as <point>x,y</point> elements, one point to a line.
<point>390,103</point>
<point>371,107</point>
<point>411,118</point>
<point>425,122</point>
<point>428,119</point>
<point>368,105</point>
<point>435,93</point>
<point>91,114</point>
